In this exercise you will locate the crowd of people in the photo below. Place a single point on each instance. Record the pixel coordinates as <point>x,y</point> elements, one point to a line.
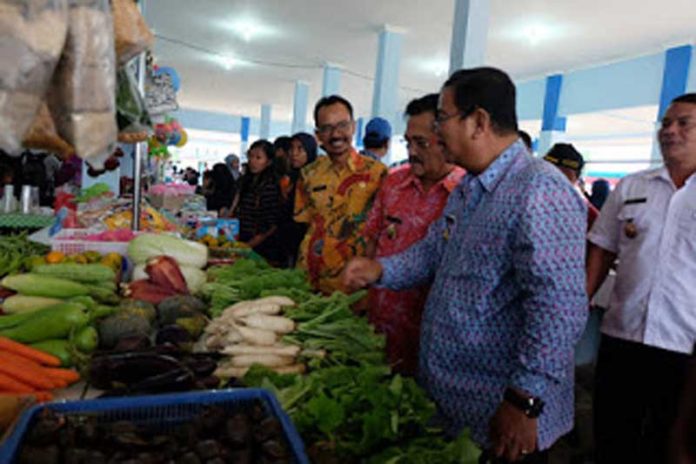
<point>481,261</point>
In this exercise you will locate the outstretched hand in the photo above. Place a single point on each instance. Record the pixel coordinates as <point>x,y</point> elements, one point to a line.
<point>361,272</point>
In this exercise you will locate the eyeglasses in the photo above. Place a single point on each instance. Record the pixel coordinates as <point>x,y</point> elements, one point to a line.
<point>418,142</point>
<point>441,117</point>
<point>343,126</point>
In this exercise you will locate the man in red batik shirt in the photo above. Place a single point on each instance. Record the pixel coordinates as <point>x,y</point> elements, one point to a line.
<point>410,199</point>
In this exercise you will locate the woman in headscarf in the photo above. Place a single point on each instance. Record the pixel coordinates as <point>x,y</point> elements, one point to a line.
<point>303,151</point>
<point>232,162</point>
<point>220,190</point>
<point>600,192</point>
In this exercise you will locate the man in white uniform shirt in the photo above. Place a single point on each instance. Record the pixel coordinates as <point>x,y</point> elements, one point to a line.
<point>649,224</point>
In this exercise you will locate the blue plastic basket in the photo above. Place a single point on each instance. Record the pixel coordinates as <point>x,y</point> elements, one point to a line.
<point>160,412</point>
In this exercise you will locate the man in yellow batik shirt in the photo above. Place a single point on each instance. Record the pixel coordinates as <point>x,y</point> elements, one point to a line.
<point>334,195</point>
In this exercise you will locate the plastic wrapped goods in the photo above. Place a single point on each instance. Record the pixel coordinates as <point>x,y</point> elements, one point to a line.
<point>32,35</point>
<point>43,136</point>
<point>130,30</point>
<point>82,93</point>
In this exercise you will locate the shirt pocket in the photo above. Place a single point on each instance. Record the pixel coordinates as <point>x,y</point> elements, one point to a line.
<point>633,222</point>
<point>320,197</point>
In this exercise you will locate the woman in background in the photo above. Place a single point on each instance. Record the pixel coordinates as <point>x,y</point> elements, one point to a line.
<point>258,204</point>
<point>220,190</point>
<point>303,151</point>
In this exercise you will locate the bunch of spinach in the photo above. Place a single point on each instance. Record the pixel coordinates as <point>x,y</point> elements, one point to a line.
<point>363,413</point>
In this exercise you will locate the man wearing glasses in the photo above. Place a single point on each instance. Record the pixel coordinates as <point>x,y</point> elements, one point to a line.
<point>410,199</point>
<point>506,260</point>
<point>334,195</point>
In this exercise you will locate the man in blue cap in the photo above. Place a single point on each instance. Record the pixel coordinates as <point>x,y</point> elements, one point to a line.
<point>378,133</point>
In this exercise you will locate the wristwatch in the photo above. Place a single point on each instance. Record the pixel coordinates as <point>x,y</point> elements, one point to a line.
<point>531,406</point>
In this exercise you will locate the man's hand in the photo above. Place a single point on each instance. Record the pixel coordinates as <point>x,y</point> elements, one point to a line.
<point>361,272</point>
<point>512,433</point>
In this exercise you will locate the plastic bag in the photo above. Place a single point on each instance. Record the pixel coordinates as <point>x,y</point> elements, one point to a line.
<point>130,31</point>
<point>43,136</point>
<point>132,117</point>
<point>82,93</point>
<point>32,34</point>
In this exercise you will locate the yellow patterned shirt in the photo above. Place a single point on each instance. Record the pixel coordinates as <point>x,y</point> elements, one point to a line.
<point>334,201</point>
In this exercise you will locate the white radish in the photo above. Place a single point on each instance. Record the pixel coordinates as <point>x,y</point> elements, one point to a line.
<point>257,336</point>
<point>278,350</point>
<point>233,336</point>
<point>254,308</point>
<point>277,324</point>
<point>293,369</point>
<point>268,360</point>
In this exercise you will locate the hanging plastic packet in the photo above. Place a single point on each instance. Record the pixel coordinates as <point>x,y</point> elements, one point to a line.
<point>131,33</point>
<point>82,93</point>
<point>32,35</point>
<point>43,136</point>
<point>132,117</point>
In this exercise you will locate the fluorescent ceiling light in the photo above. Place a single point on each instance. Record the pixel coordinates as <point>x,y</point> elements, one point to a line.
<point>249,29</point>
<point>537,33</point>
<point>227,61</point>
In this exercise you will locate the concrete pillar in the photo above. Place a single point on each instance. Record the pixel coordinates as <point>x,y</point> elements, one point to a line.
<point>299,110</point>
<point>469,34</point>
<point>244,134</point>
<point>332,80</point>
<point>552,126</point>
<point>386,89</point>
<point>265,123</point>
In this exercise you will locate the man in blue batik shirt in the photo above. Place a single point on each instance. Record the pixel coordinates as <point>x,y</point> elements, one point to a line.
<point>506,261</point>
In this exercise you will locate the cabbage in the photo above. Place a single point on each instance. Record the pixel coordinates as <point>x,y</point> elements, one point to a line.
<point>195,278</point>
<point>185,252</point>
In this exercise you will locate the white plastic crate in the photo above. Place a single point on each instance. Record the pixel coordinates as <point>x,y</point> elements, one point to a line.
<point>75,245</point>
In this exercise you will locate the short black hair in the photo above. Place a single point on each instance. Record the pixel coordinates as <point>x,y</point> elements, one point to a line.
<point>282,143</point>
<point>264,145</point>
<point>426,104</point>
<point>331,100</point>
<point>526,138</point>
<point>372,143</point>
<point>489,89</point>
<point>686,98</point>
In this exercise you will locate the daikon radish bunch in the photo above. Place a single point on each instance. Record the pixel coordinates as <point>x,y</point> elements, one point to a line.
<point>250,333</point>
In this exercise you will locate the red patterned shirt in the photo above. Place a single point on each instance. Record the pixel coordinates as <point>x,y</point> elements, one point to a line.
<point>400,217</point>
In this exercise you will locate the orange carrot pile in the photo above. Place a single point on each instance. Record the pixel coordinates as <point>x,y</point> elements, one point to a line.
<point>25,370</point>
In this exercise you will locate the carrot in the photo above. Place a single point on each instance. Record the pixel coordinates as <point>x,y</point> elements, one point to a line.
<point>43,396</point>
<point>69,376</point>
<point>25,371</point>
<point>11,385</point>
<point>28,352</point>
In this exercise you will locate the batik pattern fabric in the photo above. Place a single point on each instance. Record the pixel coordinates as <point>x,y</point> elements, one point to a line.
<point>400,217</point>
<point>334,202</point>
<point>507,303</point>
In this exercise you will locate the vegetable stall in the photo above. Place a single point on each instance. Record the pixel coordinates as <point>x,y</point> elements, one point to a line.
<point>163,319</point>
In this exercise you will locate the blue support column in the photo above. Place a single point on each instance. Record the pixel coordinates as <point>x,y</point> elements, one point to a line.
<point>675,79</point>
<point>469,33</point>
<point>385,97</point>
<point>299,110</point>
<point>386,89</point>
<point>265,123</point>
<point>332,80</point>
<point>359,128</point>
<point>244,134</point>
<point>551,124</point>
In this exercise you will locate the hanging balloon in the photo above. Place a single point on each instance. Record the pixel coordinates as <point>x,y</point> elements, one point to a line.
<point>176,82</point>
<point>183,140</point>
<point>174,138</point>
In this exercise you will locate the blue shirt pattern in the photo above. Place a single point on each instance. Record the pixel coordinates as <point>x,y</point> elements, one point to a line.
<point>508,302</point>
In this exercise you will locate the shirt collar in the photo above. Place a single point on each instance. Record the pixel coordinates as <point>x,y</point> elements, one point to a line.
<point>449,182</point>
<point>657,173</point>
<point>491,177</point>
<point>355,162</point>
